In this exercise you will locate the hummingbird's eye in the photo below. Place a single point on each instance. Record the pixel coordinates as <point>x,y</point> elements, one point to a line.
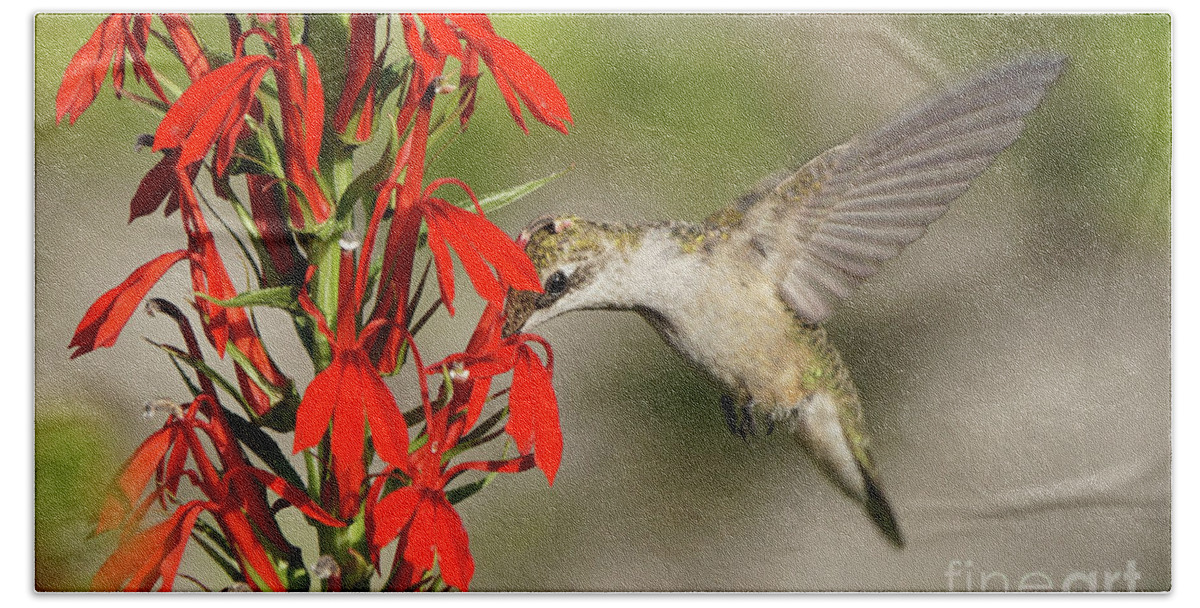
<point>556,283</point>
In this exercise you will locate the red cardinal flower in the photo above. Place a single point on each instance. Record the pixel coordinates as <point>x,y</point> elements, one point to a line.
<point>106,318</point>
<point>107,46</point>
<point>212,108</point>
<point>516,74</point>
<point>426,525</point>
<point>533,420</point>
<point>420,515</point>
<point>479,244</point>
<point>350,393</point>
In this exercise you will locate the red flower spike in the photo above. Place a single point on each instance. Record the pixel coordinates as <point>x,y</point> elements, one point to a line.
<point>106,318</point>
<point>85,74</point>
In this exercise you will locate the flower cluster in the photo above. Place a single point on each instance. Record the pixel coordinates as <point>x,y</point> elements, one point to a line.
<point>378,467</point>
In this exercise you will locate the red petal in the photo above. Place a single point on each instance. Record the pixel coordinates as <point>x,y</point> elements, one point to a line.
<point>134,477</point>
<point>389,432</point>
<point>347,439</point>
<point>444,39</point>
<point>512,265</point>
<point>391,514</point>
<point>441,258</point>
<point>106,318</point>
<point>246,544</point>
<point>512,465</point>
<point>314,109</point>
<point>532,398</point>
<point>453,547</point>
<point>178,542</point>
<point>186,45</point>
<point>415,546</point>
<point>366,117</point>
<point>316,407</point>
<point>157,185</point>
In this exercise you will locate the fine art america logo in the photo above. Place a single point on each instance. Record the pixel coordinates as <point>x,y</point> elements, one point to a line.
<point>966,576</point>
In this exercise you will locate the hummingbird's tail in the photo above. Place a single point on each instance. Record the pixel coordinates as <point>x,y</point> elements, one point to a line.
<point>831,436</point>
<point>877,507</point>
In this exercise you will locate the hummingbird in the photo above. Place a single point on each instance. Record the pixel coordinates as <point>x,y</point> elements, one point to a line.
<point>744,293</point>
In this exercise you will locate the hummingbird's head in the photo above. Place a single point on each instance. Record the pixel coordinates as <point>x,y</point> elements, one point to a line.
<point>573,258</point>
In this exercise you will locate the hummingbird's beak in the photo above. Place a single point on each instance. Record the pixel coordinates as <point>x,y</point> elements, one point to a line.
<point>518,307</point>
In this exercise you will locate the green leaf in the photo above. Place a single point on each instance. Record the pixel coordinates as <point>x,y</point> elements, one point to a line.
<point>500,199</point>
<point>276,297</point>
<point>264,447</point>
<point>465,491</point>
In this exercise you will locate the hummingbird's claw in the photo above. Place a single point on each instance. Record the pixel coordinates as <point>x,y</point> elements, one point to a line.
<point>749,425</point>
<point>731,416</point>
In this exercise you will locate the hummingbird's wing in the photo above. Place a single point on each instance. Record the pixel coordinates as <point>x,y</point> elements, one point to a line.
<point>830,225</point>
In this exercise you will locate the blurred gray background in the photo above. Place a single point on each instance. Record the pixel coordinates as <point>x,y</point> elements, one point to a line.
<point>1014,364</point>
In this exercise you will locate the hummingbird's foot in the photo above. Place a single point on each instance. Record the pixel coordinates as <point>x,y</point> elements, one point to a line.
<point>740,419</point>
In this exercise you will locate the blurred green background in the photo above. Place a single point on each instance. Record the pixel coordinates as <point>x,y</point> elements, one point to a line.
<point>1014,364</point>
